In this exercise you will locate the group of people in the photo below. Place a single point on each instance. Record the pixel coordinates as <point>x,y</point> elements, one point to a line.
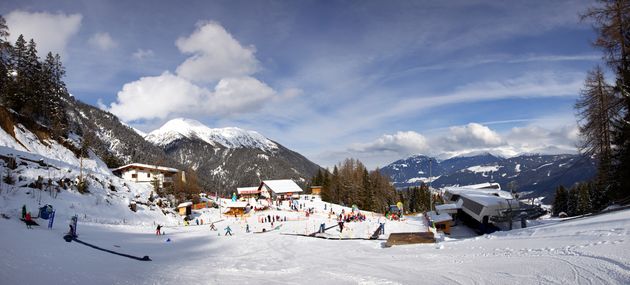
<point>271,219</point>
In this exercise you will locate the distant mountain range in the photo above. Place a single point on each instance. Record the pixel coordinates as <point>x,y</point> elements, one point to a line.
<point>533,175</point>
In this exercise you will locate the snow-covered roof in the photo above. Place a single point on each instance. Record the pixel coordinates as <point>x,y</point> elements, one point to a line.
<point>484,199</point>
<point>247,190</point>
<point>433,216</point>
<point>236,204</point>
<point>147,166</point>
<point>282,186</point>
<point>474,190</point>
<point>444,207</point>
<point>185,204</point>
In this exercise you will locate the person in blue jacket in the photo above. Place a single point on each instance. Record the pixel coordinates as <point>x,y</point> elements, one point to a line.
<point>228,230</point>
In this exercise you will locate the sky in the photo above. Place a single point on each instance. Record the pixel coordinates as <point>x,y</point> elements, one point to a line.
<point>373,80</point>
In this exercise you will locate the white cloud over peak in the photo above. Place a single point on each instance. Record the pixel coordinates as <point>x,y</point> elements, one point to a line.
<point>465,140</point>
<point>102,41</point>
<point>168,95</point>
<point>403,143</point>
<point>51,32</point>
<point>215,55</point>
<point>217,58</point>
<point>472,135</point>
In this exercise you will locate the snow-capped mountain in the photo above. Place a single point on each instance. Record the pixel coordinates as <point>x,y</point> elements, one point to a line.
<point>532,175</point>
<point>226,158</point>
<point>181,128</point>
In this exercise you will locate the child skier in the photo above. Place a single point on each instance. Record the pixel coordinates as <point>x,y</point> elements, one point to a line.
<point>28,220</point>
<point>212,227</point>
<point>228,230</point>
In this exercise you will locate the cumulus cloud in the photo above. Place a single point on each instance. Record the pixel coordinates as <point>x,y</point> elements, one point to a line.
<point>469,139</point>
<point>215,55</point>
<point>537,139</point>
<point>168,95</point>
<point>402,143</point>
<point>50,31</point>
<point>214,81</point>
<point>102,41</point>
<point>141,54</point>
<point>473,135</point>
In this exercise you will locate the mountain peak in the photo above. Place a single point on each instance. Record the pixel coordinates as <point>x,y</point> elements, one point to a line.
<point>230,137</point>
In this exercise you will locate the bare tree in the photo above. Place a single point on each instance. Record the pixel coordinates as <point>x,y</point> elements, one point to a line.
<point>611,20</point>
<point>597,109</point>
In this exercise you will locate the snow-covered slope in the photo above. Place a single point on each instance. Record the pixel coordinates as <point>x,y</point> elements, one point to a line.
<point>38,172</point>
<point>228,137</point>
<point>592,250</point>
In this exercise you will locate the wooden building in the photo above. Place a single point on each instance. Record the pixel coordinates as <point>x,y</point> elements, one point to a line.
<point>185,209</point>
<point>144,173</point>
<point>248,192</point>
<point>316,190</point>
<point>235,208</point>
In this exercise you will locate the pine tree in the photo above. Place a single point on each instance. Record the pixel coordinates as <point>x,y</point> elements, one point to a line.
<point>560,201</point>
<point>584,199</point>
<point>572,201</point>
<point>5,56</point>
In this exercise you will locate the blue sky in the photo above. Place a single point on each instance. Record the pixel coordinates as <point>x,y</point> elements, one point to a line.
<point>374,80</point>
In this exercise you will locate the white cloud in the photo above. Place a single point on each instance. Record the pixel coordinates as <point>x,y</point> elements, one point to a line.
<point>472,135</point>
<point>402,143</point>
<point>51,32</point>
<point>141,54</point>
<point>544,137</point>
<point>168,95</point>
<point>215,55</point>
<point>102,41</point>
<point>156,97</point>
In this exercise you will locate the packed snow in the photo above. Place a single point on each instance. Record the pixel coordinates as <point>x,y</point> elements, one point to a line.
<point>583,251</point>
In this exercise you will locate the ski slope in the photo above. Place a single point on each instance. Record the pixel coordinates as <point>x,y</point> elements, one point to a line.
<point>591,250</point>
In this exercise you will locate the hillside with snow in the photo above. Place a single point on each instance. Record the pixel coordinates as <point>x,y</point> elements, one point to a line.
<point>590,250</point>
<point>227,158</point>
<point>38,172</point>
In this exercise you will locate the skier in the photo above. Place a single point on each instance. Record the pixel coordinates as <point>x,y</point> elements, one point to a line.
<point>197,221</point>
<point>228,230</point>
<point>28,220</point>
<point>157,231</point>
<point>382,228</point>
<point>322,227</point>
<point>341,226</point>
<point>212,227</point>
<point>23,211</point>
<point>247,228</point>
<point>73,226</point>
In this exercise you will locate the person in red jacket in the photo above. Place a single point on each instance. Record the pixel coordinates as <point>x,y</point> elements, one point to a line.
<point>28,220</point>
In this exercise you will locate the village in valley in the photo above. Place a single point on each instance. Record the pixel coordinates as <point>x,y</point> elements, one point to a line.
<point>314,142</point>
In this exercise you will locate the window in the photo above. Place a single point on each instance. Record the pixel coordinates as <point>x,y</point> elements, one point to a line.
<point>135,175</point>
<point>149,175</point>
